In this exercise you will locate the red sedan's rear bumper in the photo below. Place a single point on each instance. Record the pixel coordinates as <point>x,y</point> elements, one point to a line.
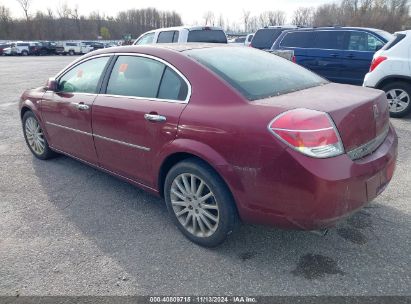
<point>306,193</point>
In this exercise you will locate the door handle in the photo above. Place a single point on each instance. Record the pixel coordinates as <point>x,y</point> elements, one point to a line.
<point>155,117</point>
<point>81,106</point>
<point>334,55</point>
<point>351,56</point>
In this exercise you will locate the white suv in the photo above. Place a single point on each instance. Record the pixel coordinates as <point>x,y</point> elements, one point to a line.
<point>183,34</point>
<point>390,71</point>
<point>18,48</point>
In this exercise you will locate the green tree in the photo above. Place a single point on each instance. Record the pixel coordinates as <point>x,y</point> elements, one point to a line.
<point>105,33</point>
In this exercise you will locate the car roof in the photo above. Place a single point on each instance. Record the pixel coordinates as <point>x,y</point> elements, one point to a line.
<point>189,28</point>
<point>333,28</point>
<point>177,47</point>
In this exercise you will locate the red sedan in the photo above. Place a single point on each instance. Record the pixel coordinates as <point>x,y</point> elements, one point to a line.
<point>222,133</point>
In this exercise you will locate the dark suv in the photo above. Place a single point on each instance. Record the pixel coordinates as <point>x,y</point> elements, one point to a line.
<point>264,38</point>
<point>340,54</point>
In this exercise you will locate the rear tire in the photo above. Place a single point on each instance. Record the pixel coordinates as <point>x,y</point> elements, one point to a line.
<point>200,203</point>
<point>71,53</point>
<point>34,136</point>
<point>399,97</point>
<point>24,53</point>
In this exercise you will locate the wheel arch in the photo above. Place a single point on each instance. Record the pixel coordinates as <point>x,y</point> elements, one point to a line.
<point>392,78</point>
<point>182,149</point>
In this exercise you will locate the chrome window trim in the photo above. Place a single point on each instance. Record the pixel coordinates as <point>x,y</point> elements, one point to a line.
<point>101,137</point>
<point>330,30</point>
<point>369,147</point>
<point>79,61</point>
<point>189,88</point>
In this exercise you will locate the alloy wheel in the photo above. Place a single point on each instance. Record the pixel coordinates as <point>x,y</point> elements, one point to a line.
<point>194,205</point>
<point>398,100</point>
<point>34,135</point>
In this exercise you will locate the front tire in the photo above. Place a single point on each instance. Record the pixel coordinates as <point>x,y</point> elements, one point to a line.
<point>399,98</point>
<point>34,136</point>
<point>71,53</point>
<point>199,203</point>
<point>24,53</point>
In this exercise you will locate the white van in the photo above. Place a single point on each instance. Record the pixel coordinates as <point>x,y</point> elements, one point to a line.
<point>183,34</point>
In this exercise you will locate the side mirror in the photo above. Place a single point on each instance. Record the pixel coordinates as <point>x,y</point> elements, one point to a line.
<point>51,85</point>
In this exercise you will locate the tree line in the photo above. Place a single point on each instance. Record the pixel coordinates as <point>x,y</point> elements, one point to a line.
<point>66,23</point>
<point>389,15</point>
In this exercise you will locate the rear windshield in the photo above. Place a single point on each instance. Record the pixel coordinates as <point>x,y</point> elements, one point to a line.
<point>396,38</point>
<point>264,76</point>
<point>264,38</point>
<point>210,36</point>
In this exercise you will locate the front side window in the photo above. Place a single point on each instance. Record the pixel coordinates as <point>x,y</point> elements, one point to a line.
<point>264,76</point>
<point>264,38</point>
<point>84,77</point>
<point>146,39</point>
<point>362,41</point>
<point>330,40</point>
<point>135,76</point>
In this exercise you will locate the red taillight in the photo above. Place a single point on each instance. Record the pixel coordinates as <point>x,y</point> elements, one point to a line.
<point>376,61</point>
<point>293,59</point>
<point>308,131</point>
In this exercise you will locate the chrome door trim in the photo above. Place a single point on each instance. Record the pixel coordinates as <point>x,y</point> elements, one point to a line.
<point>101,137</point>
<point>68,128</point>
<point>123,143</point>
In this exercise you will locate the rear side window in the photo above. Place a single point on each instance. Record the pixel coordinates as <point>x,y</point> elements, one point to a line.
<point>165,37</point>
<point>264,38</point>
<point>172,86</point>
<point>84,77</point>
<point>249,38</point>
<point>135,76</point>
<point>332,40</point>
<point>210,36</point>
<point>297,39</point>
<point>397,38</point>
<point>264,76</point>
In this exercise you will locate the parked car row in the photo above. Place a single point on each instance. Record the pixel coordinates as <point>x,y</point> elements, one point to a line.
<point>350,55</point>
<point>39,48</point>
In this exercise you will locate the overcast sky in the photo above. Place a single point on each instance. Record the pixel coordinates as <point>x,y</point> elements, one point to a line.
<point>190,11</point>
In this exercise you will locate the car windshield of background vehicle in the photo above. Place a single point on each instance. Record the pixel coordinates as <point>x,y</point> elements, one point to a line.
<point>146,39</point>
<point>210,36</point>
<point>264,38</point>
<point>264,76</point>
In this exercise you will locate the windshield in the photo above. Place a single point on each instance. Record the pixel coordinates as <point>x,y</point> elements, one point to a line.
<point>262,76</point>
<point>210,36</point>
<point>264,38</point>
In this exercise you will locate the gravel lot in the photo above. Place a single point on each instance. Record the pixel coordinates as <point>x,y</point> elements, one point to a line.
<point>68,229</point>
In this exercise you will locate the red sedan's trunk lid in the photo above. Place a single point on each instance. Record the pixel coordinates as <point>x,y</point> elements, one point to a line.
<point>360,114</point>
